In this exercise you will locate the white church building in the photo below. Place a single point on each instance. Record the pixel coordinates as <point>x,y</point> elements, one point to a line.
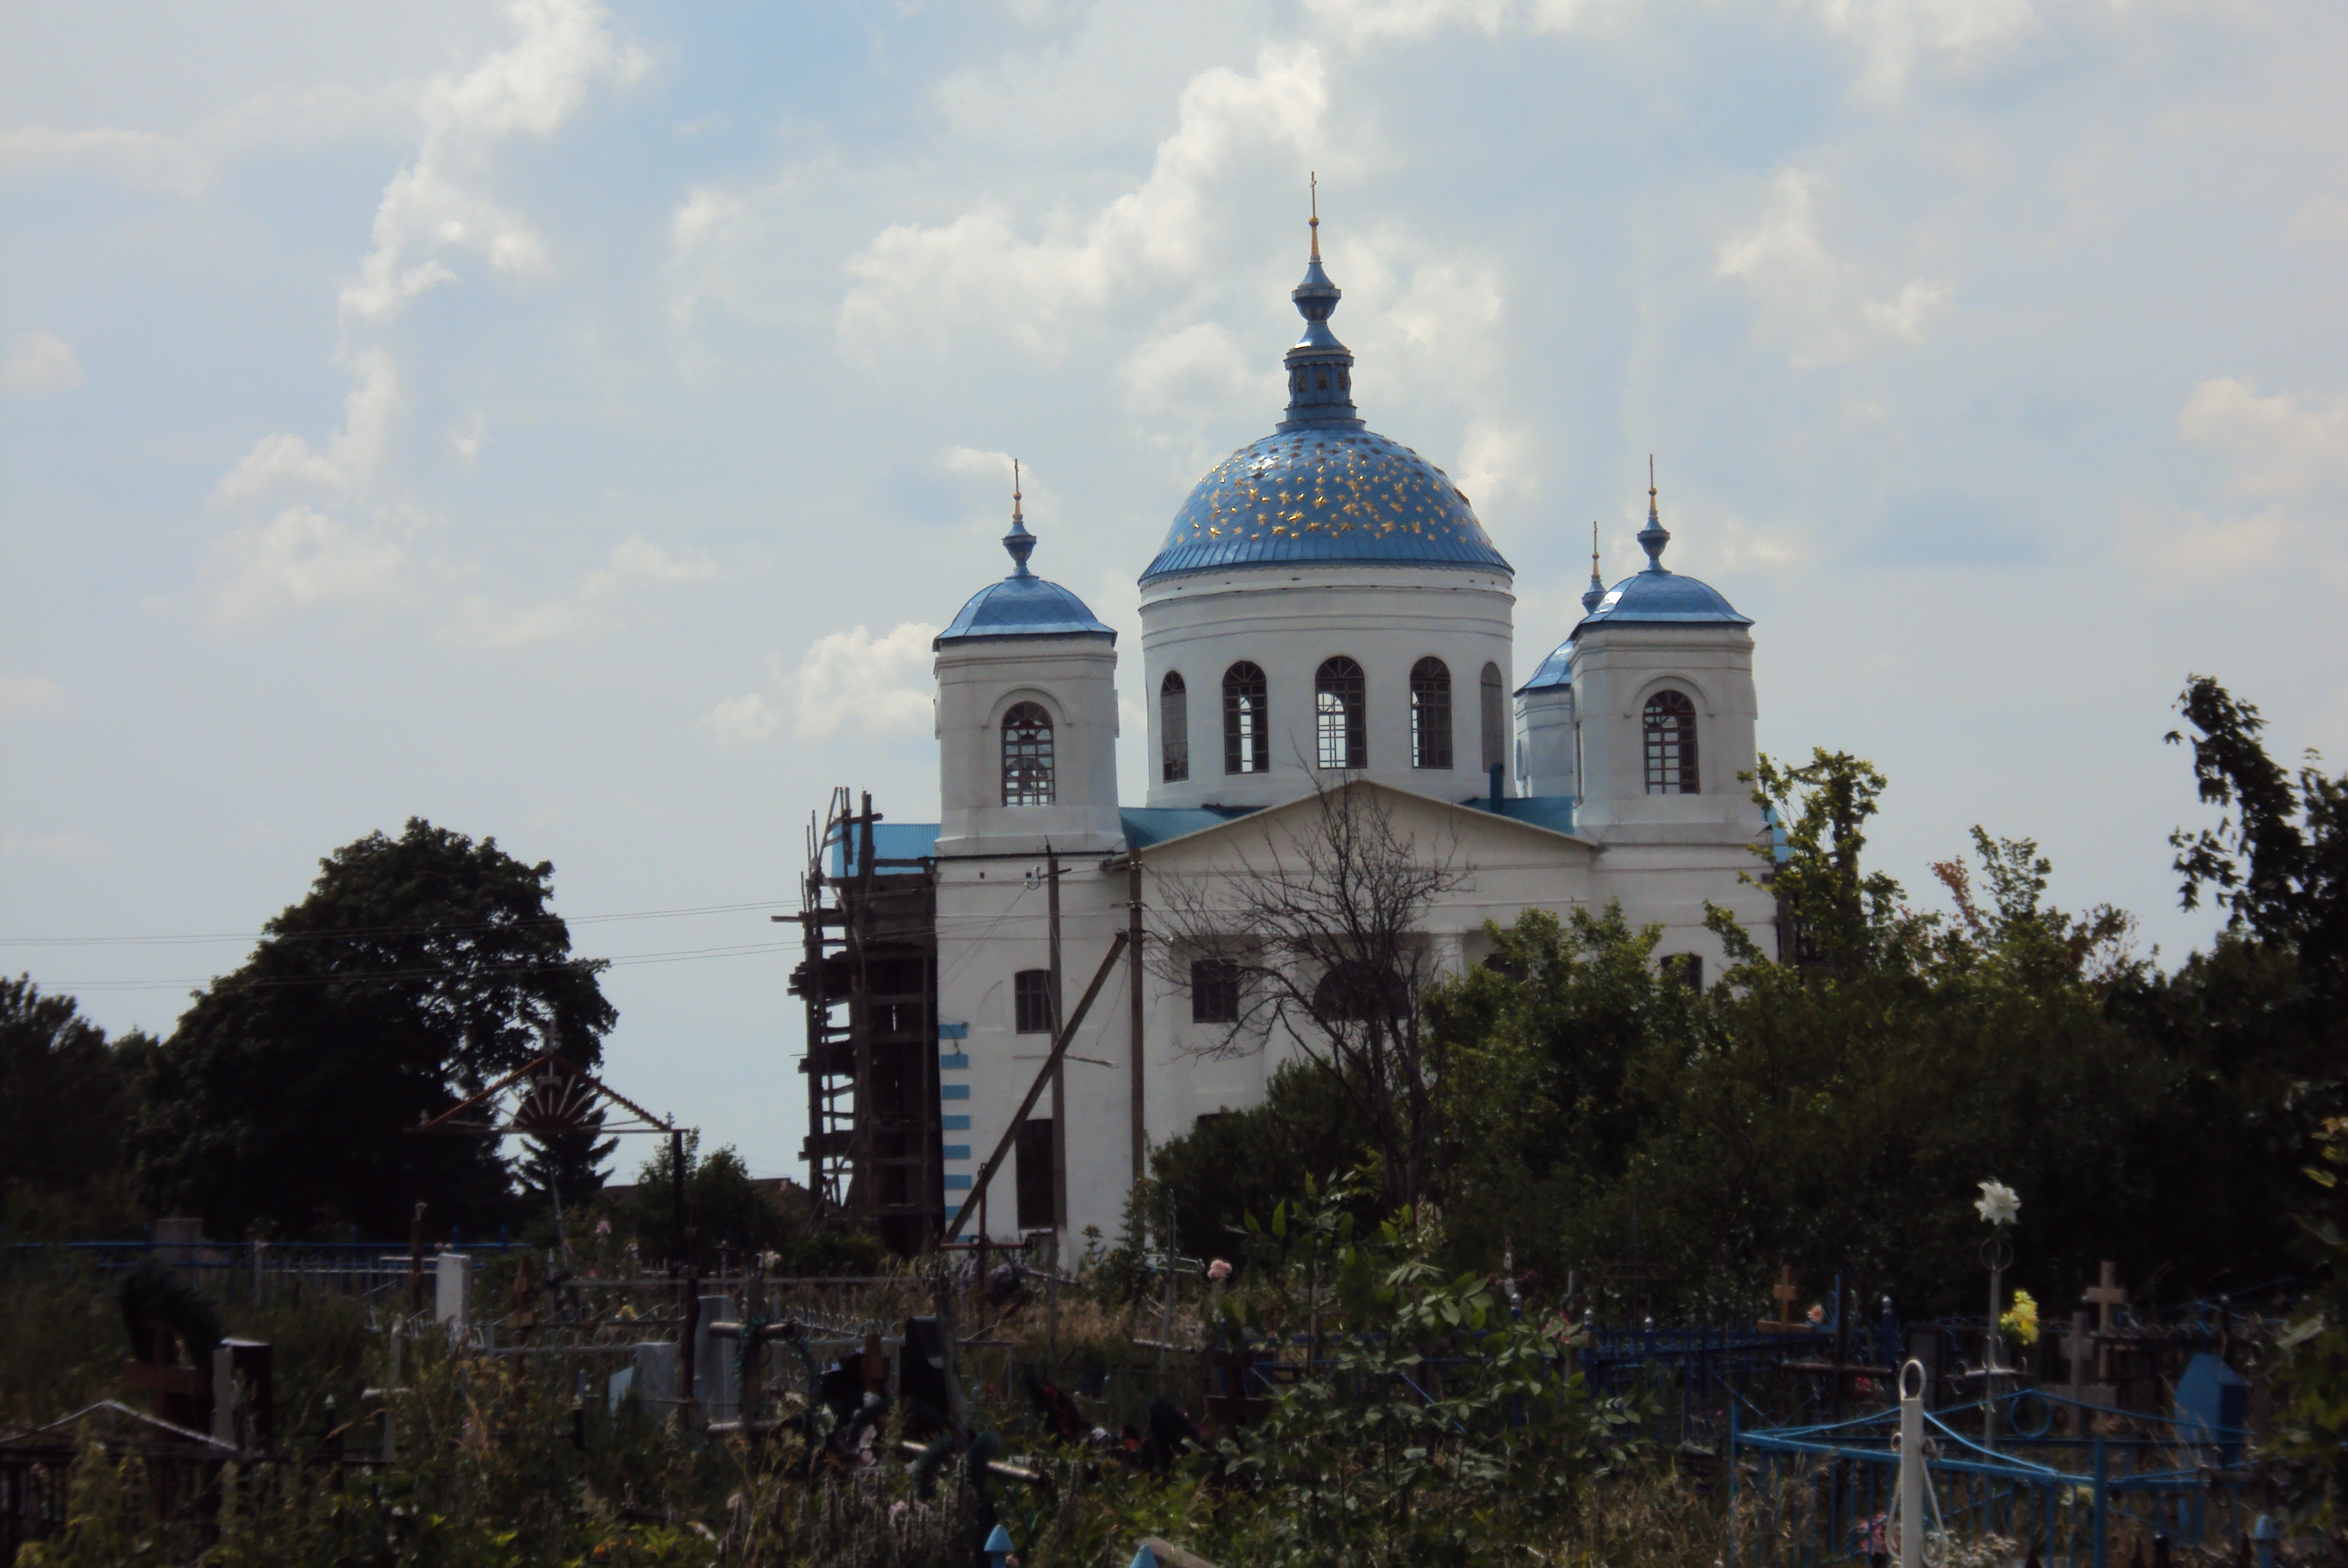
<point>1325,609</point>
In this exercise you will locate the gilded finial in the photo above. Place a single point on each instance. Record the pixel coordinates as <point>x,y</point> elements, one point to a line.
<point>1655,536</point>
<point>1315,189</point>
<point>1595,593</point>
<point>1018,541</point>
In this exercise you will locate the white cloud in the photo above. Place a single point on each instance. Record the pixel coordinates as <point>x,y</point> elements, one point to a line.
<point>1810,302</point>
<point>185,163</point>
<point>921,287</point>
<point>467,441</point>
<point>743,721</point>
<point>2180,555</point>
<point>40,365</point>
<point>353,454</point>
<point>437,204</point>
<point>2278,445</point>
<point>874,687</point>
<point>24,696</point>
<point>71,844</point>
<point>601,598</point>
<point>300,559</point>
<point>1893,36</point>
<point>851,680</point>
<point>1188,377</point>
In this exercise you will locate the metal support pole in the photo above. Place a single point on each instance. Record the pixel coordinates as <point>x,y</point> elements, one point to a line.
<point>1911,1466</point>
<point>1059,1063</point>
<point>1133,984</point>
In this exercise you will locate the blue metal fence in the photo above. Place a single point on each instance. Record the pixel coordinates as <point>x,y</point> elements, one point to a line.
<point>1808,1496</point>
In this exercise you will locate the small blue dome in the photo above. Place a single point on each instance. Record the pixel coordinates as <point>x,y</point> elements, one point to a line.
<point>1656,595</point>
<point>1327,492</point>
<point>1555,670</point>
<point>1023,604</point>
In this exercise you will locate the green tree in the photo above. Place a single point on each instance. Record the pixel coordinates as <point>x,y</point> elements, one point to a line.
<point>65,1094</point>
<point>416,971</point>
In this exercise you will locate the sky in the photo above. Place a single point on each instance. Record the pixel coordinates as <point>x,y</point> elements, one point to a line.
<point>570,423</point>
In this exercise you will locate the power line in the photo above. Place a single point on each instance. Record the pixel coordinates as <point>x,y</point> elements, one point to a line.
<point>627,960</point>
<point>381,930</point>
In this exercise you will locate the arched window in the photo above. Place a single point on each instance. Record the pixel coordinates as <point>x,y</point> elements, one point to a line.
<point>1247,744</point>
<point>1174,728</point>
<point>1496,718</point>
<point>1430,714</point>
<point>1337,719</point>
<point>1027,755</point>
<point>1670,727</point>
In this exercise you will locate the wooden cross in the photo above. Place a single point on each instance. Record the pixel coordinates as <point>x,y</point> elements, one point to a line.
<point>1786,1293</point>
<point>2107,1299</point>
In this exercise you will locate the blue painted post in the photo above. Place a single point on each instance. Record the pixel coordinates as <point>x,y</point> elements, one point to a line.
<point>2265,1532</point>
<point>1143,1557</point>
<point>2103,1504</point>
<point>998,1548</point>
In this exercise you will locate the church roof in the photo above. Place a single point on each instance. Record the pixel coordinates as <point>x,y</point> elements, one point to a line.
<point>1323,488</point>
<point>1656,597</point>
<point>1023,604</point>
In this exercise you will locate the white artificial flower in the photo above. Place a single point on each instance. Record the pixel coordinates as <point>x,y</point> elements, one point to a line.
<point>1998,1204</point>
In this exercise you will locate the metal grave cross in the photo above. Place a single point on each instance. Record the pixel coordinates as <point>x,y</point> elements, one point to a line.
<point>2106,1298</point>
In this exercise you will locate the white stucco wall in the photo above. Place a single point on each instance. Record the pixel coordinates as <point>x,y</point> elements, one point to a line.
<point>979,681</point>
<point>1288,619</point>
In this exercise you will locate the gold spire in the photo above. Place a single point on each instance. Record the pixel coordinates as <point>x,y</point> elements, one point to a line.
<point>1593,548</point>
<point>1316,214</point>
<point>1014,491</point>
<point>1650,484</point>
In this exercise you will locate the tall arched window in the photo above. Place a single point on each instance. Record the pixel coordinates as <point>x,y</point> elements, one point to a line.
<point>1337,717</point>
<point>1670,727</point>
<point>1174,728</point>
<point>1496,718</point>
<point>1027,755</point>
<point>1247,743</point>
<point>1430,714</point>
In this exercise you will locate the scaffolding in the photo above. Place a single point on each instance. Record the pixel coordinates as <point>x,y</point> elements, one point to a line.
<point>869,983</point>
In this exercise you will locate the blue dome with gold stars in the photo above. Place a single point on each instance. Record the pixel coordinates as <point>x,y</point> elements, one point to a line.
<point>1322,487</point>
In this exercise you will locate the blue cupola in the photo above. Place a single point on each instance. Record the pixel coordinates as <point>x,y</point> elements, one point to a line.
<point>1323,488</point>
<point>1023,604</point>
<point>1657,595</point>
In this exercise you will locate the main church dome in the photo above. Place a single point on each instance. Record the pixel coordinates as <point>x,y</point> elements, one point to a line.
<point>1322,487</point>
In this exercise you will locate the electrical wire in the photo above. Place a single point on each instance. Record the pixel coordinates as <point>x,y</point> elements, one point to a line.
<point>382,930</point>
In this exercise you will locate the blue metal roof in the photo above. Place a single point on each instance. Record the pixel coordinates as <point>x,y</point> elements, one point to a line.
<point>1147,825</point>
<point>1557,670</point>
<point>1554,811</point>
<point>890,841</point>
<point>1324,493</point>
<point>1024,605</point>
<point>1660,596</point>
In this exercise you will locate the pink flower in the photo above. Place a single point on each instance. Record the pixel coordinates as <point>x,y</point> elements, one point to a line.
<point>1219,1271</point>
<point>603,1227</point>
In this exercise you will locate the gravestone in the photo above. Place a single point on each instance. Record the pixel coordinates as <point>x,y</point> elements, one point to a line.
<point>714,1381</point>
<point>452,1292</point>
<point>2212,1403</point>
<point>244,1405</point>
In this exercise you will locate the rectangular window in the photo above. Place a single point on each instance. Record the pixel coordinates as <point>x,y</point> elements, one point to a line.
<point>1031,1001</point>
<point>1214,991</point>
<point>1033,1155</point>
<point>1684,969</point>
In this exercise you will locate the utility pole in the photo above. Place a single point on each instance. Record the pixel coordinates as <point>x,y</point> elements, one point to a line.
<point>1133,984</point>
<point>1059,1067</point>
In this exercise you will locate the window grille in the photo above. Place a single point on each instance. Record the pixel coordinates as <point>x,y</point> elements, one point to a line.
<point>1247,743</point>
<point>1214,991</point>
<point>1496,718</point>
<point>1337,702</point>
<point>1430,714</point>
<point>1031,1001</point>
<point>1669,729</point>
<point>1027,755</point>
<point>1174,729</point>
<point>1684,969</point>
